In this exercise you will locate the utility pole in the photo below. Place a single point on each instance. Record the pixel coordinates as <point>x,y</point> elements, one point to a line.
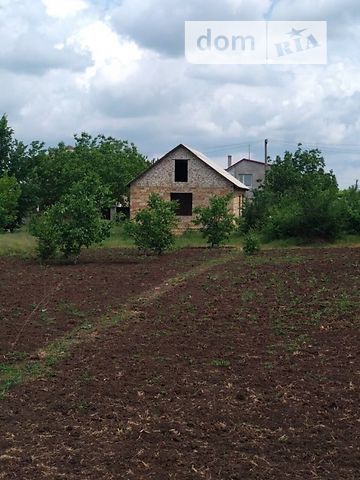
<point>249,151</point>
<point>266,156</point>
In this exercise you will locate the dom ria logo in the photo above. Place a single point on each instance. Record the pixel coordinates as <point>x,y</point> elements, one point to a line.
<point>300,41</point>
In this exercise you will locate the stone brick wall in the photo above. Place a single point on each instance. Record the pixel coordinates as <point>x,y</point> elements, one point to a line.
<point>203,183</point>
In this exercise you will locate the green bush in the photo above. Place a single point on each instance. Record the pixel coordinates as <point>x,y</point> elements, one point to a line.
<point>152,227</point>
<point>307,217</point>
<point>216,222</point>
<point>298,199</point>
<point>350,209</point>
<point>72,223</point>
<point>251,243</point>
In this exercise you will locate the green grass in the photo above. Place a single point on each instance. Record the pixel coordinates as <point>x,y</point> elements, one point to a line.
<point>117,239</point>
<point>18,243</point>
<point>21,243</point>
<point>344,240</point>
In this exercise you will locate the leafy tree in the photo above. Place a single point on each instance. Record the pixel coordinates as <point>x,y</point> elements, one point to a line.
<point>9,197</point>
<point>6,140</point>
<point>298,198</point>
<point>73,222</point>
<point>116,162</point>
<point>216,222</point>
<point>19,160</point>
<point>152,227</point>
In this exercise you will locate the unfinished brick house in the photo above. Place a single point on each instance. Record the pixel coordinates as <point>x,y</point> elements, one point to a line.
<point>188,176</point>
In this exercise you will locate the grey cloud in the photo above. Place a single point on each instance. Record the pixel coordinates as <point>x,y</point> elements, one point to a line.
<point>35,55</point>
<point>159,24</point>
<point>28,40</point>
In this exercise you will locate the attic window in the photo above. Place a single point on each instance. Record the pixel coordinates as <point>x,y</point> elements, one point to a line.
<point>184,201</point>
<point>181,170</point>
<point>246,179</point>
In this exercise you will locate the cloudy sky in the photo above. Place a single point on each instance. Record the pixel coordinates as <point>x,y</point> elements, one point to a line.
<point>118,67</point>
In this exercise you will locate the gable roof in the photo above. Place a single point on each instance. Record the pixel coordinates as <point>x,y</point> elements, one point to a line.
<point>221,171</point>
<point>245,160</point>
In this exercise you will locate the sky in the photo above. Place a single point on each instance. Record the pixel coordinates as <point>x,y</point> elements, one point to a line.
<point>118,68</point>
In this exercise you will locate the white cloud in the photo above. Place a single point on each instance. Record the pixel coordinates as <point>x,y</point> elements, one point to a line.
<point>113,57</point>
<point>64,8</point>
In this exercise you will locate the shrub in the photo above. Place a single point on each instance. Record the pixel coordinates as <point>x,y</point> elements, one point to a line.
<point>350,209</point>
<point>152,227</point>
<point>72,223</point>
<point>310,217</point>
<point>251,243</point>
<point>216,222</point>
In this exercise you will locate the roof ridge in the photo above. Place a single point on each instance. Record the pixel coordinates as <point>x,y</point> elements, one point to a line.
<point>221,171</point>
<point>245,160</point>
<point>216,167</point>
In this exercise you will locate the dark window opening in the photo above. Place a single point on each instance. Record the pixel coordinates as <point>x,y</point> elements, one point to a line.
<point>184,201</point>
<point>181,170</point>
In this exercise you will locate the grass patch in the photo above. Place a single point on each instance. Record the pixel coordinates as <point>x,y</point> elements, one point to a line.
<point>19,243</point>
<point>70,309</point>
<point>220,363</point>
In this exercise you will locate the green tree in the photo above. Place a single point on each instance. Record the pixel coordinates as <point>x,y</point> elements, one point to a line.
<point>153,227</point>
<point>116,162</point>
<point>9,197</point>
<point>20,160</point>
<point>6,141</point>
<point>74,221</point>
<point>298,198</point>
<point>216,222</point>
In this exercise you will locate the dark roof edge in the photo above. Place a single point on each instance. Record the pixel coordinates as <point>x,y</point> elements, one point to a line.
<point>181,145</point>
<point>245,160</point>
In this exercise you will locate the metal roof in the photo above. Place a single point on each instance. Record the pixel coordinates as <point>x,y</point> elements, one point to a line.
<point>221,171</point>
<point>217,168</point>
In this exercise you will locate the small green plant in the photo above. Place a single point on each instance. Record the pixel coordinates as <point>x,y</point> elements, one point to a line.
<point>268,365</point>
<point>152,227</point>
<point>70,309</point>
<point>85,377</point>
<point>216,221</point>
<point>248,295</point>
<point>16,356</point>
<point>45,318</point>
<point>297,343</point>
<point>251,244</point>
<point>84,406</point>
<point>220,363</point>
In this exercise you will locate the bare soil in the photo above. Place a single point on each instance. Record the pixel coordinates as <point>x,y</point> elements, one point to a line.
<point>39,303</point>
<point>247,370</point>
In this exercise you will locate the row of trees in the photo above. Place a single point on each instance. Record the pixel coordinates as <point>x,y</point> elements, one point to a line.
<point>34,178</point>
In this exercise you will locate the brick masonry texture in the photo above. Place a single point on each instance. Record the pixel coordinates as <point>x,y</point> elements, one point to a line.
<point>203,183</point>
